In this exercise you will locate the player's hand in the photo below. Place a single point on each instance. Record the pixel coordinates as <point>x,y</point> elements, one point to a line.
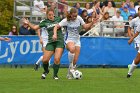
<point>7,39</point>
<point>54,37</point>
<point>130,40</point>
<point>24,20</point>
<point>41,41</point>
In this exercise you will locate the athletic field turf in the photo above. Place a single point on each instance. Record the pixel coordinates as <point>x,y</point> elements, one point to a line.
<point>95,80</point>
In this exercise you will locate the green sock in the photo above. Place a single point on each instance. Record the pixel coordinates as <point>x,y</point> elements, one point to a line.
<point>55,68</point>
<point>45,66</point>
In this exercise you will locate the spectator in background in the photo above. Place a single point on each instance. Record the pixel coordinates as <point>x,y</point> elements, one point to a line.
<point>95,17</point>
<point>77,6</point>
<point>105,20</point>
<point>61,7</point>
<point>48,3</point>
<point>94,2</point>
<point>13,31</point>
<point>122,6</point>
<point>111,10</point>
<point>25,30</point>
<point>97,9</point>
<point>53,6</point>
<point>105,17</point>
<point>118,18</point>
<point>39,6</point>
<point>127,24</point>
<point>125,13</point>
<point>137,6</point>
<point>132,9</point>
<point>84,15</point>
<point>89,10</point>
<point>118,24</point>
<point>127,3</point>
<point>106,3</point>
<point>136,3</point>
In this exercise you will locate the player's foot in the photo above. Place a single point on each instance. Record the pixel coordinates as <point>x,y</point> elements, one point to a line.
<point>128,76</point>
<point>36,67</point>
<point>43,76</point>
<point>69,76</point>
<point>55,77</point>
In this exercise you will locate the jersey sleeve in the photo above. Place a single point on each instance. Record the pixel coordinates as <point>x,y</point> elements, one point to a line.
<point>63,23</point>
<point>138,28</point>
<point>42,24</point>
<point>81,20</point>
<point>132,23</point>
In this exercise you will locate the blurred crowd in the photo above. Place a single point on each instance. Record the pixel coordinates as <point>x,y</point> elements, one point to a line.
<point>96,10</point>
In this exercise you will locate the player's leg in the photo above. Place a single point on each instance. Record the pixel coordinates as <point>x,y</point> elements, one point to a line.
<point>39,60</point>
<point>134,64</point>
<point>45,41</point>
<point>46,57</point>
<point>56,65</point>
<point>71,47</point>
<point>77,52</point>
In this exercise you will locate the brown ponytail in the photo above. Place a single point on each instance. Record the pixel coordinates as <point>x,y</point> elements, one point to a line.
<point>72,10</point>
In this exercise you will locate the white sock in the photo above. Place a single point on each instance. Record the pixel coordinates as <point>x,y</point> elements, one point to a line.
<point>39,60</point>
<point>132,67</point>
<point>70,57</point>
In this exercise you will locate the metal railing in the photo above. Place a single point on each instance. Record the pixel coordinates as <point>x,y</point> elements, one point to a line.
<point>106,28</point>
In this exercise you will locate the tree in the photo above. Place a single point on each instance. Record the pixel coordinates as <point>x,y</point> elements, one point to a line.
<point>6,16</point>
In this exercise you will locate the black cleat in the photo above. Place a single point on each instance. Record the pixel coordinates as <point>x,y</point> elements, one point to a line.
<point>128,76</point>
<point>44,75</point>
<point>36,67</point>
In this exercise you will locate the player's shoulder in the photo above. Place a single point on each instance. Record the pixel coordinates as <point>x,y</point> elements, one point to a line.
<point>57,19</point>
<point>43,20</point>
<point>79,17</point>
<point>136,19</point>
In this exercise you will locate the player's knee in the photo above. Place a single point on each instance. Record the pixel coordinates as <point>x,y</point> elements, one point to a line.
<point>45,60</point>
<point>57,60</point>
<point>72,50</point>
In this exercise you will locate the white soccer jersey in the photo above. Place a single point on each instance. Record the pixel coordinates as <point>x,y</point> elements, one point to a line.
<point>138,28</point>
<point>133,24</point>
<point>72,26</point>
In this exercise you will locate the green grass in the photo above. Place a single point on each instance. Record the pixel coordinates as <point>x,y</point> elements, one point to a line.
<point>95,80</point>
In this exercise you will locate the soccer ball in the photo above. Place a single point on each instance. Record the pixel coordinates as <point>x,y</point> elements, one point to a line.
<point>77,74</point>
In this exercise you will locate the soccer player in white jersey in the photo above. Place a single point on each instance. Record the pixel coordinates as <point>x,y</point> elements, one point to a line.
<point>135,23</point>
<point>43,36</point>
<point>72,23</point>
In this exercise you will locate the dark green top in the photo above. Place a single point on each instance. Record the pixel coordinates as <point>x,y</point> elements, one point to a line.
<point>49,25</point>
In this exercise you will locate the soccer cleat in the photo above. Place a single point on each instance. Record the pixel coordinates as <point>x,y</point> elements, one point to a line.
<point>69,76</point>
<point>36,67</point>
<point>55,77</point>
<point>44,75</point>
<point>128,76</point>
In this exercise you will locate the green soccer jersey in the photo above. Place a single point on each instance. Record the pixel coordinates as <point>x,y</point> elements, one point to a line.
<point>49,25</point>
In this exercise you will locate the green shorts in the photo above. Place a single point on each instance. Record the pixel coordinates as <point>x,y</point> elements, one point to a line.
<point>53,45</point>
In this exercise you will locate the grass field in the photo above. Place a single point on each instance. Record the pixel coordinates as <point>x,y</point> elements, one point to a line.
<point>95,80</point>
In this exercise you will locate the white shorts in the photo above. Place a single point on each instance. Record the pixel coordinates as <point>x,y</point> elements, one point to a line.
<point>75,40</point>
<point>137,46</point>
<point>45,41</point>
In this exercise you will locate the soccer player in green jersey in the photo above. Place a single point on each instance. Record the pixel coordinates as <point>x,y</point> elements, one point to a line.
<point>55,47</point>
<point>5,39</point>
